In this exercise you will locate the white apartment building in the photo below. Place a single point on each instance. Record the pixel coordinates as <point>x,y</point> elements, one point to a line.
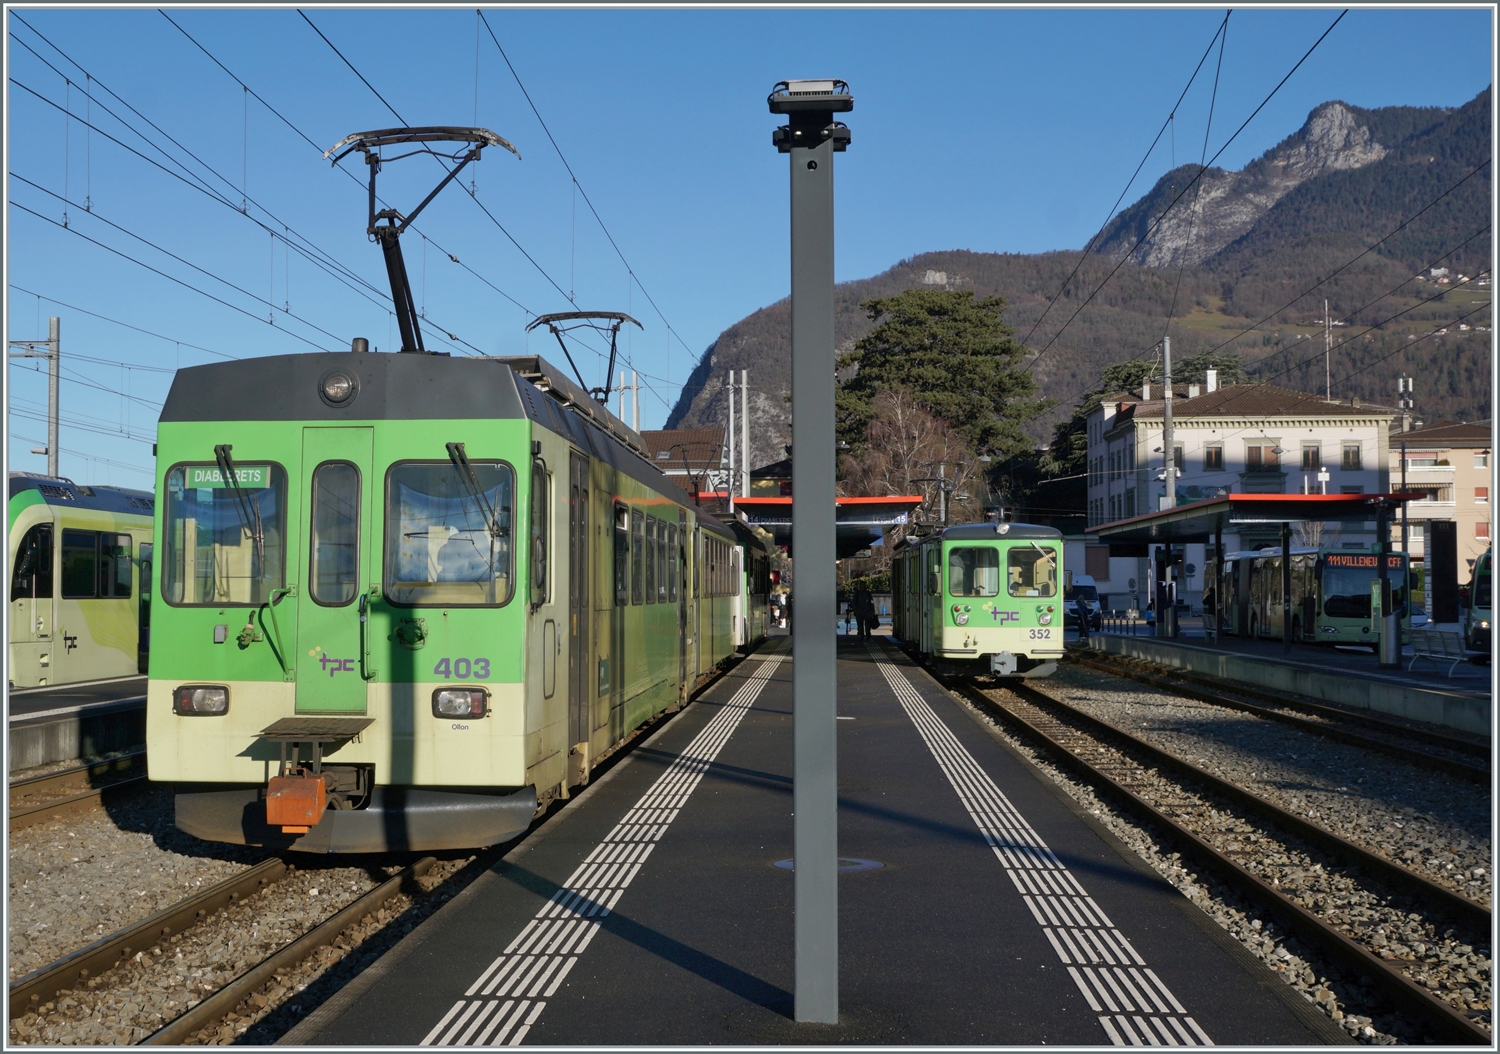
<point>1240,439</point>
<point>1449,464</point>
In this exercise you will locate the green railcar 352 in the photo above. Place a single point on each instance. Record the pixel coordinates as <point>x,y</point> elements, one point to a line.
<point>982,598</point>
<point>403,599</point>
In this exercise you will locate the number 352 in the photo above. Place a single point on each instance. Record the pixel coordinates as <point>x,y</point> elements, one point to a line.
<point>1041,634</point>
<point>462,669</point>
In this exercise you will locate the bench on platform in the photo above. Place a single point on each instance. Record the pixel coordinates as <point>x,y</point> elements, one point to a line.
<point>1438,646</point>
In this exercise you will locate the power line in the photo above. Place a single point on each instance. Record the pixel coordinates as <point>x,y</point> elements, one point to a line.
<point>629,270</point>
<point>1191,183</point>
<point>127,325</point>
<point>88,457</point>
<point>1129,183</point>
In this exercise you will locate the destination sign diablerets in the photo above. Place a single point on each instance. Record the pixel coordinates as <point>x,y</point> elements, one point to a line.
<point>245,475</point>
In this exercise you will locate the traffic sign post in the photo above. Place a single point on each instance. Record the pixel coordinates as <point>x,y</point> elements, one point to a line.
<point>811,138</point>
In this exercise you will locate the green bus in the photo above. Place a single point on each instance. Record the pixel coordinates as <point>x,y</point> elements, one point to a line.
<point>1331,594</point>
<point>1477,615</point>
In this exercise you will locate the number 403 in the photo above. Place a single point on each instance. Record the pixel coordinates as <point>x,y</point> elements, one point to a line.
<point>462,669</point>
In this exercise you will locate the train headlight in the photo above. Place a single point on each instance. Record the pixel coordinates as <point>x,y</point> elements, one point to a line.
<point>199,700</point>
<point>338,388</point>
<point>460,702</point>
<point>1484,623</point>
<point>960,615</point>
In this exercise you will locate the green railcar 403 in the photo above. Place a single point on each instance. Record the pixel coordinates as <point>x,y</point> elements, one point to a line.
<point>981,598</point>
<point>404,599</point>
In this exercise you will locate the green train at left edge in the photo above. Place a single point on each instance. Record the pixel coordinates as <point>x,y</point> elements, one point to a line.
<point>402,600</point>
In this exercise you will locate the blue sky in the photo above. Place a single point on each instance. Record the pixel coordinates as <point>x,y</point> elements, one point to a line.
<point>987,129</point>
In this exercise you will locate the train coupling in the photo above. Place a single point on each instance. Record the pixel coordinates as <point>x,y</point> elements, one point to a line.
<point>295,802</point>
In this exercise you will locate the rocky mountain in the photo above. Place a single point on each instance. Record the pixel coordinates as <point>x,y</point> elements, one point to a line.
<point>1300,213</point>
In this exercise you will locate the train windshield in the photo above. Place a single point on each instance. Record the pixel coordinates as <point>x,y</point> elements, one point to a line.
<point>209,554</point>
<point>974,571</point>
<point>445,543</point>
<point>1032,571</point>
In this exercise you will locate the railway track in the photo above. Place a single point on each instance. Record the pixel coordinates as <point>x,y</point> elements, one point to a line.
<point>69,791</point>
<point>1179,797</point>
<point>1453,755</point>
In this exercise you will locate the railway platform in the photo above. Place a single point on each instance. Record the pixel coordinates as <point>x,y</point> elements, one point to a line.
<point>60,722</point>
<point>1346,676</point>
<point>657,907</point>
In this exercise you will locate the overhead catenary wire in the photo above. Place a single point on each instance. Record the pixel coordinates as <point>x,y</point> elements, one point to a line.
<point>127,325</point>
<point>1128,184</point>
<point>1191,183</point>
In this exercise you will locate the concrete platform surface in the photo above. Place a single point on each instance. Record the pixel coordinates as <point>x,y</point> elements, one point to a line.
<point>978,905</point>
<point>59,698</point>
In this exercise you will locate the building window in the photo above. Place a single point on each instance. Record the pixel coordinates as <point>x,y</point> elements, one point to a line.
<point>1213,457</point>
<point>1177,456</point>
<point>1482,530</point>
<point>1312,457</point>
<point>1352,460</point>
<point>1351,490</point>
<point>1130,503</point>
<point>1262,457</point>
<point>1416,531</point>
<point>1482,460</point>
<point>1481,495</point>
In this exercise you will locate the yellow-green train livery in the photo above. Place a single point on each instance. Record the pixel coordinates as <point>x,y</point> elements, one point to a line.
<point>982,598</point>
<point>80,560</point>
<point>404,598</point>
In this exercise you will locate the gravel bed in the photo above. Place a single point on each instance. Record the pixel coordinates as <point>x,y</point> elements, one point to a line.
<point>1439,826</point>
<point>1347,1000</point>
<point>83,877</point>
<point>138,863</point>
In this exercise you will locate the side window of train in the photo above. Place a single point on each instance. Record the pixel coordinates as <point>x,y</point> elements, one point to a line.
<point>651,548</point>
<point>637,557</point>
<point>540,506</point>
<point>80,559</point>
<point>31,576</point>
<point>114,565</point>
<point>147,551</point>
<point>622,555</point>
<point>333,553</point>
<point>673,564</point>
<point>662,563</point>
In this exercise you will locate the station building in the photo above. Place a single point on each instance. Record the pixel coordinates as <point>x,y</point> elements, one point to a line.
<point>1237,438</point>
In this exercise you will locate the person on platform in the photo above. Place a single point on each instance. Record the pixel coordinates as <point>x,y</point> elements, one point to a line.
<point>864,611</point>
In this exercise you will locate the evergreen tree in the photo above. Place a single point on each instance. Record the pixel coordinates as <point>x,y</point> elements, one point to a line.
<point>956,356</point>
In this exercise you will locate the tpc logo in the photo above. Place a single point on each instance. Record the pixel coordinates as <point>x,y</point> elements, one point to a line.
<point>334,666</point>
<point>1002,617</point>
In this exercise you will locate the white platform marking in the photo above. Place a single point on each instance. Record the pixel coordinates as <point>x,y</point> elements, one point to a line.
<point>1107,970</point>
<point>535,962</point>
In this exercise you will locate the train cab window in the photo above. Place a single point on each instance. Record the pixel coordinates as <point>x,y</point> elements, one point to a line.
<point>637,557</point>
<point>333,563</point>
<point>974,571</point>
<point>448,537</point>
<point>31,572</point>
<point>114,565</point>
<point>80,556</point>
<point>622,555</point>
<point>1032,571</point>
<point>224,544</point>
<point>540,505</point>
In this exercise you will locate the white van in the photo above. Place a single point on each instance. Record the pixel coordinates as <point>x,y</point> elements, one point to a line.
<point>1083,596</point>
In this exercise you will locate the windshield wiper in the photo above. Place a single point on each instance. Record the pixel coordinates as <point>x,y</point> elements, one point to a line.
<point>471,483</point>
<point>249,511</point>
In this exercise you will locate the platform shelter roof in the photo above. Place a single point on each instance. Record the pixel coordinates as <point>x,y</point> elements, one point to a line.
<point>860,523</point>
<point>1198,521</point>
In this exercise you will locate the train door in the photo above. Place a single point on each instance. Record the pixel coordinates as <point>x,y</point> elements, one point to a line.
<point>334,658</point>
<point>680,593</point>
<point>143,590</point>
<point>579,663</point>
<point>32,608</point>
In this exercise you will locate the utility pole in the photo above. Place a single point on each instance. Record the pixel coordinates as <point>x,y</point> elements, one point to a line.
<point>622,396</point>
<point>635,400</point>
<point>734,478</point>
<point>53,355</point>
<point>811,137</point>
<point>745,433</point>
<point>1405,537</point>
<point>1169,452</point>
<point>1327,354</point>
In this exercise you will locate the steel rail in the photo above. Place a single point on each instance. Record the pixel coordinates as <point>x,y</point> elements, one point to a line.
<point>24,815</point>
<point>39,986</point>
<point>1331,730</point>
<point>216,1006</point>
<point>1448,1023</point>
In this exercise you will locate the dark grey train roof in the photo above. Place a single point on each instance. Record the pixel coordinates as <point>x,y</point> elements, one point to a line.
<point>986,532</point>
<point>58,490</point>
<point>413,388</point>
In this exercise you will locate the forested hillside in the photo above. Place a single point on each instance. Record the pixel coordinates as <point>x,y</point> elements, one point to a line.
<point>1356,176</point>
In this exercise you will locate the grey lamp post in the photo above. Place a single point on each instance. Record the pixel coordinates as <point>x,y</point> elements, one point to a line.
<point>811,137</point>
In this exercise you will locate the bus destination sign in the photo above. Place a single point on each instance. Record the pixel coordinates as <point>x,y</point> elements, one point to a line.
<point>1360,560</point>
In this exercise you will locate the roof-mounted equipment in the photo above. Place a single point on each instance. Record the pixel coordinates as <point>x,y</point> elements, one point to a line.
<point>586,319</point>
<point>389,234</point>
